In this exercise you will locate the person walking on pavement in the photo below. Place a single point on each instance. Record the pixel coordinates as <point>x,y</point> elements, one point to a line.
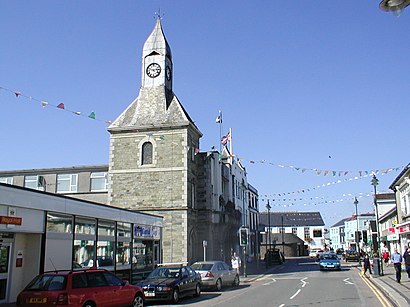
<point>236,262</point>
<point>366,265</point>
<point>397,259</point>
<point>406,257</point>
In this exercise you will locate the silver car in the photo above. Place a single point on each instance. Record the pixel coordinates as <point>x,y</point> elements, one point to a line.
<point>216,274</point>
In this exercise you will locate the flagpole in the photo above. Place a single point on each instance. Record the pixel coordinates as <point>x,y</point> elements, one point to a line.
<point>220,131</point>
<point>230,144</point>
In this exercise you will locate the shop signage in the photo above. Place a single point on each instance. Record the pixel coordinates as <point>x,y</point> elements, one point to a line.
<point>404,228</point>
<point>143,231</point>
<point>10,220</point>
<point>394,237</point>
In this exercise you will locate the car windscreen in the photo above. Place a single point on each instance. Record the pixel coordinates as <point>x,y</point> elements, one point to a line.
<point>202,266</point>
<point>164,272</point>
<point>327,256</point>
<point>47,283</point>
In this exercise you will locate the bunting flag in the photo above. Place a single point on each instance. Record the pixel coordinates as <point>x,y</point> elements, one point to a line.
<point>218,119</point>
<point>226,138</point>
<point>60,105</point>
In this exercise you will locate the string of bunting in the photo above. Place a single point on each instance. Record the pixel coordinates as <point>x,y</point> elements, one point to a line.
<point>294,202</point>
<point>60,105</point>
<point>326,172</point>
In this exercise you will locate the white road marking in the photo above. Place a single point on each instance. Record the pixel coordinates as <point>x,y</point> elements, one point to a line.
<point>304,282</point>
<point>270,282</point>
<point>347,282</point>
<point>294,295</point>
<point>282,305</point>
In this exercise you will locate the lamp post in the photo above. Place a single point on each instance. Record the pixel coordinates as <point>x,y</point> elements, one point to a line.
<point>283,239</point>
<point>375,182</point>
<point>393,5</point>
<point>357,226</point>
<point>268,207</point>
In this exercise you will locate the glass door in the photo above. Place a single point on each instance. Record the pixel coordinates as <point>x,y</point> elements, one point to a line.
<point>4,269</point>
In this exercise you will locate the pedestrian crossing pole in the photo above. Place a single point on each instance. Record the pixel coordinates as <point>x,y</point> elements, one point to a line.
<point>244,261</point>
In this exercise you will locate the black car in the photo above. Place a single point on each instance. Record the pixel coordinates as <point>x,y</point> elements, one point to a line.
<point>170,283</point>
<point>274,256</point>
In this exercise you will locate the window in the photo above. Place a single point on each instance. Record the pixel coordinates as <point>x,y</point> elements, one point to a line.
<point>35,182</point>
<point>99,181</point>
<point>146,153</point>
<point>294,230</point>
<point>67,183</point>
<point>317,233</point>
<point>8,180</point>
<point>57,222</point>
<point>307,233</point>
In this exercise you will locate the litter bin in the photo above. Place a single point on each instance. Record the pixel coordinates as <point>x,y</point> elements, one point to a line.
<point>376,266</point>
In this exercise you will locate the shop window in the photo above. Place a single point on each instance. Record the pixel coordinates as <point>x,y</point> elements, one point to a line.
<point>123,230</point>
<point>123,255</point>
<point>146,153</point>
<point>85,226</point>
<point>67,183</point>
<point>106,228</point>
<point>84,251</point>
<point>57,222</point>
<point>98,181</point>
<point>105,254</point>
<point>142,256</point>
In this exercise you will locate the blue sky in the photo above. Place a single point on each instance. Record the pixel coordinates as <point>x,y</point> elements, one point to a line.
<point>313,85</point>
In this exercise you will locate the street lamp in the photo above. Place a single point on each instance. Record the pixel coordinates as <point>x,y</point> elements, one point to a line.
<point>268,207</point>
<point>357,226</point>
<point>375,182</point>
<point>393,5</point>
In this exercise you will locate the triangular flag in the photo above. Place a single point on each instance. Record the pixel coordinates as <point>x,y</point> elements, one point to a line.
<point>17,94</point>
<point>77,113</point>
<point>44,103</point>
<point>60,105</point>
<point>92,115</point>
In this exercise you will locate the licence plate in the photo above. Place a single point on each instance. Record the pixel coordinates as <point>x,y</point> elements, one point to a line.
<point>37,300</point>
<point>330,266</point>
<point>150,294</point>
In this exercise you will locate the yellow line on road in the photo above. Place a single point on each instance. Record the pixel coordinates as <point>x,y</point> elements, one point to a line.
<point>377,292</point>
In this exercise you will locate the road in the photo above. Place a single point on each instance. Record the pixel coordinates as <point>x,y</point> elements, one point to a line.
<point>297,282</point>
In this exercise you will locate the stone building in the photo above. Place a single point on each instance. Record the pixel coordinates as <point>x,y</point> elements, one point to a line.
<point>155,167</point>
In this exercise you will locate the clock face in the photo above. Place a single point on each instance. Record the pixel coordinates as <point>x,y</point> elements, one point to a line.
<point>153,70</point>
<point>168,73</point>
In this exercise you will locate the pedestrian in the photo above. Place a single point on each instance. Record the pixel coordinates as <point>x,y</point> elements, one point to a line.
<point>386,257</point>
<point>236,262</point>
<point>406,257</point>
<point>366,265</point>
<point>397,259</point>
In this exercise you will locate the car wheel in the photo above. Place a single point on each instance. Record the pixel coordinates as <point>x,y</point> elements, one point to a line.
<point>89,304</point>
<point>218,285</point>
<point>197,290</point>
<point>175,296</point>
<point>236,281</point>
<point>138,301</point>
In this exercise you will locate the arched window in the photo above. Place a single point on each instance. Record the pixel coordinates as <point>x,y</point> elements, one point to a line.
<point>146,153</point>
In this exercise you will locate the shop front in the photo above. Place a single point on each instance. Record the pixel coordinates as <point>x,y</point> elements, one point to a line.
<point>404,233</point>
<point>42,232</point>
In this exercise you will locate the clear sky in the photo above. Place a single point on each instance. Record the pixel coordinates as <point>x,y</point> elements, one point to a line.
<point>308,85</point>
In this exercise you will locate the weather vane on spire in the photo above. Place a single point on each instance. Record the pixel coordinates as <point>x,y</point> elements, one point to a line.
<point>158,14</point>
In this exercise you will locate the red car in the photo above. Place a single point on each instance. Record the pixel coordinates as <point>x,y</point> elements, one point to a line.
<point>80,288</point>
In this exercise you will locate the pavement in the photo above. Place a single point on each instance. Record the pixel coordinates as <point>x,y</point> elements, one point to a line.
<point>398,293</point>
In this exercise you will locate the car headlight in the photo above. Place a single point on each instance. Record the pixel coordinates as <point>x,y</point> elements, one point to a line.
<point>163,288</point>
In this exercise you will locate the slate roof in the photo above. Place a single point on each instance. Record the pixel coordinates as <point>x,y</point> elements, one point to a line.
<point>341,222</point>
<point>291,219</point>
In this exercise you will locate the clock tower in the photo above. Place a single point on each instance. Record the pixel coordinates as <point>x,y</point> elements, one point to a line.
<point>157,61</point>
<point>152,154</point>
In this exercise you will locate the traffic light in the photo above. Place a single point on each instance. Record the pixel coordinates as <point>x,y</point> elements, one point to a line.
<point>365,236</point>
<point>243,237</point>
